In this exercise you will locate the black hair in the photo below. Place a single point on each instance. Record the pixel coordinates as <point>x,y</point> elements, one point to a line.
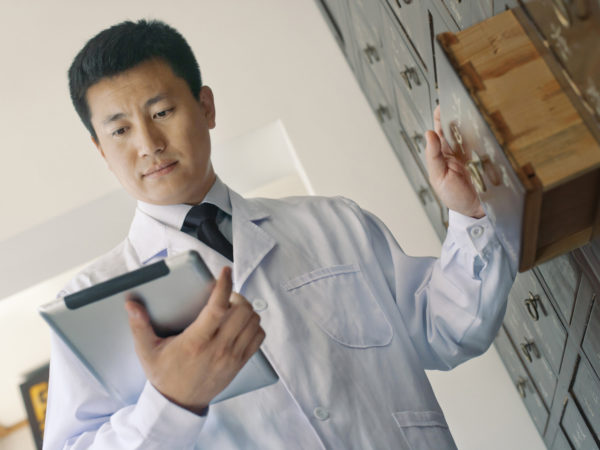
<point>122,47</point>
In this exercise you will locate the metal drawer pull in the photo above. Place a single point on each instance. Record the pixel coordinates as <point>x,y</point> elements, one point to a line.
<point>521,383</point>
<point>419,141</point>
<point>532,304</point>
<point>410,73</point>
<point>529,347</point>
<point>383,112</point>
<point>372,54</point>
<point>474,165</point>
<point>424,195</point>
<point>562,13</point>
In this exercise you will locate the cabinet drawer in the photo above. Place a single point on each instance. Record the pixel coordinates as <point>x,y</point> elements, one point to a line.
<point>541,318</point>
<point>528,345</point>
<point>468,12</point>
<point>591,341</point>
<point>575,428</point>
<point>369,44</point>
<point>560,441</point>
<point>522,382</point>
<point>561,275</point>
<point>586,391</point>
<point>405,71</point>
<point>435,210</point>
<point>572,30</point>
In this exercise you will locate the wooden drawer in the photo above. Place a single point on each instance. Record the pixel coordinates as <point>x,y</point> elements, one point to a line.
<point>528,344</point>
<point>522,381</point>
<point>575,428</point>
<point>572,31</point>
<point>561,276</point>
<point>591,341</point>
<point>519,120</point>
<point>468,12</point>
<point>586,391</point>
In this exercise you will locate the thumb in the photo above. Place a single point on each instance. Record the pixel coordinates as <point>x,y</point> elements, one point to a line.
<point>436,163</point>
<point>144,337</point>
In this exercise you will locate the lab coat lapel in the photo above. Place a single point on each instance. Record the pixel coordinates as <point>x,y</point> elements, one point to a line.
<point>250,242</point>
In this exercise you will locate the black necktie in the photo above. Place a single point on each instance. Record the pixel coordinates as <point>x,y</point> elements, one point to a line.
<point>200,222</point>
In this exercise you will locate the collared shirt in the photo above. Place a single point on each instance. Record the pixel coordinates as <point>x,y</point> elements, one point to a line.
<point>174,215</point>
<point>351,323</point>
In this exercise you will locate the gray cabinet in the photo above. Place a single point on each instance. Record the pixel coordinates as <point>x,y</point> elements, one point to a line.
<point>550,338</point>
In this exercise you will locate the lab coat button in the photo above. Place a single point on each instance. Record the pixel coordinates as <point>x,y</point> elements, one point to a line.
<point>259,305</point>
<point>321,413</point>
<point>476,231</point>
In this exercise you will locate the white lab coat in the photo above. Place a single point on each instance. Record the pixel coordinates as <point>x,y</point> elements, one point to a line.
<point>351,323</point>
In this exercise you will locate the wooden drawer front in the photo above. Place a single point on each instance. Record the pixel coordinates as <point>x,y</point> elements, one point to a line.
<point>560,441</point>
<point>586,391</point>
<point>547,327</point>
<point>522,382</point>
<point>437,213</point>
<point>369,44</point>
<point>528,345</point>
<point>575,428</point>
<point>591,341</point>
<point>405,71</point>
<point>561,275</point>
<point>468,12</point>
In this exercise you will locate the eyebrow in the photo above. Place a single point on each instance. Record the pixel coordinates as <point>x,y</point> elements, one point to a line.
<point>148,104</point>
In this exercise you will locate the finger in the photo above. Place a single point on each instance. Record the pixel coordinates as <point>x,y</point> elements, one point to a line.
<point>144,338</point>
<point>210,318</point>
<point>246,337</point>
<point>253,345</point>
<point>437,121</point>
<point>436,163</point>
<point>234,324</point>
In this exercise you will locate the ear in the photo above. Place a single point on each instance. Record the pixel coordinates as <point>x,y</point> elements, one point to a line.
<point>207,102</point>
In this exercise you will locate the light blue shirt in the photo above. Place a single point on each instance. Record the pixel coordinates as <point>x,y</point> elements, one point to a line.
<point>351,323</point>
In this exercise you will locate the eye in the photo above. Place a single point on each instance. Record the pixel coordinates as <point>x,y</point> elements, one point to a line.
<point>163,114</point>
<point>119,132</point>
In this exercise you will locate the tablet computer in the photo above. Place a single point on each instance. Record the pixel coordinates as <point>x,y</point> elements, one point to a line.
<point>93,323</point>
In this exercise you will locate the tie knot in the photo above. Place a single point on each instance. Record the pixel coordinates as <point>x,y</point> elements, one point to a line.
<point>198,215</point>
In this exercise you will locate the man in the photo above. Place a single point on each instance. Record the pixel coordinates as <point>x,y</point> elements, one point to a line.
<point>351,322</point>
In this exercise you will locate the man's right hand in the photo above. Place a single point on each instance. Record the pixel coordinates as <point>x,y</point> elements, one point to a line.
<point>191,368</point>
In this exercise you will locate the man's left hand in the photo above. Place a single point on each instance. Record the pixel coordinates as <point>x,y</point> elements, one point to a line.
<point>448,175</point>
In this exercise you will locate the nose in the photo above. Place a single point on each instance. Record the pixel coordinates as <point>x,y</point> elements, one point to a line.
<point>150,139</point>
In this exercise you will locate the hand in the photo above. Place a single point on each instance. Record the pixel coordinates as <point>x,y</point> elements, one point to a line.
<point>448,175</point>
<point>190,369</point>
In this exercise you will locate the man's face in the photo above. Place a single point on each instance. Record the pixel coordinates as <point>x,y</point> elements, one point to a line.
<point>153,133</point>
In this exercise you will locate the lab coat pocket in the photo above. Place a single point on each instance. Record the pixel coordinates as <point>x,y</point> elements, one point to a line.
<point>340,301</point>
<point>425,430</point>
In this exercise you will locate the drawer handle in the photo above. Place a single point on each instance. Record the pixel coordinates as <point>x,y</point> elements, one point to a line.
<point>529,347</point>
<point>383,112</point>
<point>473,165</point>
<point>372,54</point>
<point>424,195</point>
<point>562,13</point>
<point>419,141</point>
<point>532,304</point>
<point>410,73</point>
<point>521,384</point>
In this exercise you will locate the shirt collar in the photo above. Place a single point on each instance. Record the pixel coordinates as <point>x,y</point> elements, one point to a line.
<point>174,215</point>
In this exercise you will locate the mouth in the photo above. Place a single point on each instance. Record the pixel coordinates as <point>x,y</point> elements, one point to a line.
<point>159,169</point>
